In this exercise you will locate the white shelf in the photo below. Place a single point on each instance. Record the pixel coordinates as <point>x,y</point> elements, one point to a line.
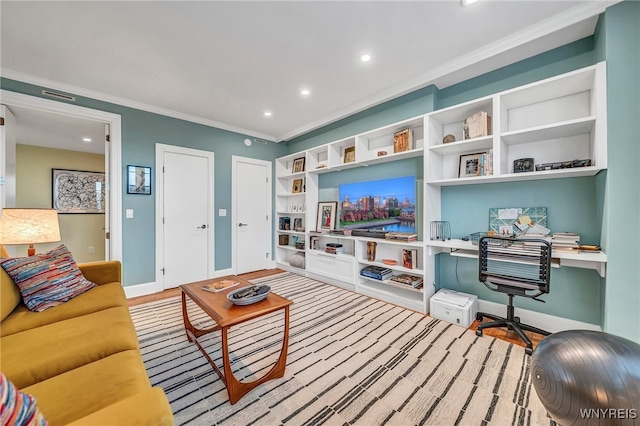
<point>517,177</point>
<point>394,284</point>
<point>398,268</point>
<point>455,247</point>
<point>463,146</point>
<point>564,129</point>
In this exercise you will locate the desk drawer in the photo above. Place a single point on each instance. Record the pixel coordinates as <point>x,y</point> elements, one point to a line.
<point>334,266</point>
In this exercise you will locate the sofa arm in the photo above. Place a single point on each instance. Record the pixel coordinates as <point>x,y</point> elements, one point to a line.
<point>150,408</point>
<point>102,272</point>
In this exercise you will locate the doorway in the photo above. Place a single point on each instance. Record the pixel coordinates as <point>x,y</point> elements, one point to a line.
<point>251,220</point>
<point>39,107</point>
<point>184,215</point>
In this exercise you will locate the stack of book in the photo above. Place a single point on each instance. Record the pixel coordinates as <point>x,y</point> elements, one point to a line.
<point>376,272</point>
<point>565,241</point>
<point>334,248</point>
<point>414,281</point>
<point>401,236</point>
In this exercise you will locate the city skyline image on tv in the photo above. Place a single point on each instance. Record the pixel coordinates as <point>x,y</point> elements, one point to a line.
<point>387,204</point>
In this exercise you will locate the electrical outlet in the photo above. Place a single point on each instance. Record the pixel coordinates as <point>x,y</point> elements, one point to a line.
<point>128,213</point>
<point>91,250</point>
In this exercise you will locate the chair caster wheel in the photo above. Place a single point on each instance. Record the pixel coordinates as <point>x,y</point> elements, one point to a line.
<point>528,351</point>
<point>479,317</point>
<point>479,333</point>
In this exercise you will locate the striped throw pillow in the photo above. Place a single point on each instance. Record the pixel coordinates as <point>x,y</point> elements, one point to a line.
<point>46,280</point>
<point>18,408</point>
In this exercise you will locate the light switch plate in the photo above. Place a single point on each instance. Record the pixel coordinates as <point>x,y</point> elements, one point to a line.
<point>128,213</point>
<point>222,212</point>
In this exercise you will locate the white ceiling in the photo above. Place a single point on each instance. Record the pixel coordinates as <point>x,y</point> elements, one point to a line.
<point>59,131</point>
<point>225,63</point>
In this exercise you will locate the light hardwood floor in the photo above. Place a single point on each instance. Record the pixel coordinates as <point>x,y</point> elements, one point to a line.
<point>500,333</point>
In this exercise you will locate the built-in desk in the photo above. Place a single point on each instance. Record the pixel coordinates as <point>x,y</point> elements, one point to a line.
<point>455,247</point>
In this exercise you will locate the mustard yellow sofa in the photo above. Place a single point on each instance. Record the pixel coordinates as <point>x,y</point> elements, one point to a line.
<point>81,359</point>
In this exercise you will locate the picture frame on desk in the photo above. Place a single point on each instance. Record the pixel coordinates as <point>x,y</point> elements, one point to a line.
<point>470,165</point>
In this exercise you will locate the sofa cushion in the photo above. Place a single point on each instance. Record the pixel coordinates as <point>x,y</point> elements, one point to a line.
<point>97,299</point>
<point>34,355</point>
<point>91,387</point>
<point>46,280</point>
<point>9,295</point>
<point>18,408</point>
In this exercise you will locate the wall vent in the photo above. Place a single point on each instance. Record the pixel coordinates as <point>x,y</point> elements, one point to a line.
<point>58,95</point>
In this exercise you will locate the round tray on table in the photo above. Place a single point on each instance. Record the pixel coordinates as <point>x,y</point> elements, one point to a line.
<point>260,293</point>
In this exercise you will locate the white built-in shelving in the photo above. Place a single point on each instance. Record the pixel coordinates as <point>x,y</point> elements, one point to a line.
<point>559,119</point>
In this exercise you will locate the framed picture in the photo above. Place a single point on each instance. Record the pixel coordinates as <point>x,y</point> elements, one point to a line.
<point>297,186</point>
<point>349,154</point>
<point>326,215</point>
<point>77,191</point>
<point>138,180</point>
<point>301,208</point>
<point>470,165</point>
<point>297,224</point>
<point>298,165</point>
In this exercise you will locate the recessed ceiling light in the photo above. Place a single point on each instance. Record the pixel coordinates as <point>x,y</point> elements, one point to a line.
<point>86,139</point>
<point>365,58</point>
<point>305,92</point>
<point>467,2</point>
<point>267,113</point>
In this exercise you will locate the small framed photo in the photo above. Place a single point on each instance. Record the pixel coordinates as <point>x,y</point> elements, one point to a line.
<point>470,165</point>
<point>349,154</point>
<point>298,165</point>
<point>327,211</point>
<point>301,208</point>
<point>138,180</point>
<point>289,208</point>
<point>297,186</point>
<point>294,208</point>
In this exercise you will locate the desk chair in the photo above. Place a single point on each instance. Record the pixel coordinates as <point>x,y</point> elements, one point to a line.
<point>518,268</point>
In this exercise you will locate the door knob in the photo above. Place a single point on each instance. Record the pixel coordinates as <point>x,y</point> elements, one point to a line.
<point>201,227</point>
<point>242,224</point>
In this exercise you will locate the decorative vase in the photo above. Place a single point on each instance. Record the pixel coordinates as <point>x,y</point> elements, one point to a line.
<point>371,251</point>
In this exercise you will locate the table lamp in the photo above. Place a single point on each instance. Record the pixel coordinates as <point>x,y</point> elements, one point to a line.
<point>29,226</point>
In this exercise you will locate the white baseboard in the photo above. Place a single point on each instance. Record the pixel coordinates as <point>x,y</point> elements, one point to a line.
<point>546,322</point>
<point>141,289</point>
<point>151,288</point>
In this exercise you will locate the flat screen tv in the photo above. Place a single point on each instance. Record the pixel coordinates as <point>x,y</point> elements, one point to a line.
<point>384,204</point>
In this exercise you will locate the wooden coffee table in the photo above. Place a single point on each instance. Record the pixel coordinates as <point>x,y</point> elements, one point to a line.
<point>226,315</point>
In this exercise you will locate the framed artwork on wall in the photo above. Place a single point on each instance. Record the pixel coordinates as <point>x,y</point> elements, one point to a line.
<point>139,180</point>
<point>326,220</point>
<point>77,191</point>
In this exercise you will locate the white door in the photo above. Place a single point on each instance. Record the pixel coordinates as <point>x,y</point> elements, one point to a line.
<point>251,214</point>
<point>187,216</point>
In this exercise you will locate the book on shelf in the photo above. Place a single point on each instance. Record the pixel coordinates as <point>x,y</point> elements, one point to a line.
<point>219,285</point>
<point>376,272</point>
<point>403,140</point>
<point>477,125</point>
<point>410,258</point>
<point>414,281</point>
<point>401,236</point>
<point>334,250</point>
<point>565,241</point>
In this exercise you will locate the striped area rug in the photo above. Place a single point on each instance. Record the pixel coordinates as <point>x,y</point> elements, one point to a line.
<point>353,360</point>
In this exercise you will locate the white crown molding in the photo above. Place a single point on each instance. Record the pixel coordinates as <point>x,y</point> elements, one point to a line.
<point>520,38</point>
<point>79,91</point>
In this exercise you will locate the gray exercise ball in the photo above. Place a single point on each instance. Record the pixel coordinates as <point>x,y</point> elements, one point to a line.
<point>588,377</point>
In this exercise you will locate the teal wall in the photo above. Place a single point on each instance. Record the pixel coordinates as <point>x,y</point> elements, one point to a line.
<point>592,206</point>
<point>140,132</point>
<point>622,305</point>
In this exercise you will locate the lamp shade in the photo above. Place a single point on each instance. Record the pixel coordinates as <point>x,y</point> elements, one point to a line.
<point>29,226</point>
